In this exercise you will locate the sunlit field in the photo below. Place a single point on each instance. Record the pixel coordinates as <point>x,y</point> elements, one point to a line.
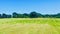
<point>30,26</point>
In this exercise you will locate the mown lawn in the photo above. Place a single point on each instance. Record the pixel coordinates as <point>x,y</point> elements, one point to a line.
<point>30,26</point>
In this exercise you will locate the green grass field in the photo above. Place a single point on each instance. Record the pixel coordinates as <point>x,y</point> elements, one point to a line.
<point>30,26</point>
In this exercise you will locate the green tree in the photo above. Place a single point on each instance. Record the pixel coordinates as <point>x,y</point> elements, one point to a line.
<point>4,15</point>
<point>25,15</point>
<point>0,16</point>
<point>14,15</point>
<point>58,15</point>
<point>33,14</point>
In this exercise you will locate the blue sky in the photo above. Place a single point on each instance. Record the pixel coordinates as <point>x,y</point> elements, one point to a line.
<point>27,6</point>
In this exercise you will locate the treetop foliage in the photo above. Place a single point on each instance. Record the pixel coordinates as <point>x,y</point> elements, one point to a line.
<point>31,15</point>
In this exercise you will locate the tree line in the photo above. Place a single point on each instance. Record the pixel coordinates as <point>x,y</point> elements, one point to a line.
<point>31,15</point>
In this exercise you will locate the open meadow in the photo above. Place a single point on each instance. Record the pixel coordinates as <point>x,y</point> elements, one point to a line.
<point>30,26</point>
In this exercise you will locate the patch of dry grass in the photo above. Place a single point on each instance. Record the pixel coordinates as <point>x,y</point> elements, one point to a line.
<point>30,26</point>
<point>28,29</point>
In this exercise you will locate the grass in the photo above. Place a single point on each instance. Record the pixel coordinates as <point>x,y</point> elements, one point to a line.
<point>30,26</point>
